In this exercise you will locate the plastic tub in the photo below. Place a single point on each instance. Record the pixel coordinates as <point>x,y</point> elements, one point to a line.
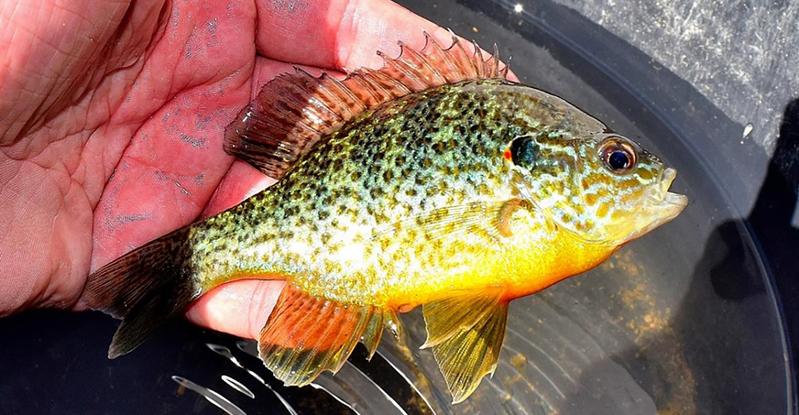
<point>686,320</point>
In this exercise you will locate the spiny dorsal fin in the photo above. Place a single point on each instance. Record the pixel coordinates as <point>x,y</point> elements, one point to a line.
<point>295,110</point>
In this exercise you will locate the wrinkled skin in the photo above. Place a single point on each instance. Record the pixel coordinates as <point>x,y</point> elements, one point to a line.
<point>111,120</point>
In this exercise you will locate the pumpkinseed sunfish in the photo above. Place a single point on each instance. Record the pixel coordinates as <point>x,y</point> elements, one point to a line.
<point>434,182</point>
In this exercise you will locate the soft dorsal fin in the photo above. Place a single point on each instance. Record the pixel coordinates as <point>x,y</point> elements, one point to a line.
<point>295,110</point>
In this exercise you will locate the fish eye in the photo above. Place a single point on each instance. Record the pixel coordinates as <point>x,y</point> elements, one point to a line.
<point>618,154</point>
<point>523,152</point>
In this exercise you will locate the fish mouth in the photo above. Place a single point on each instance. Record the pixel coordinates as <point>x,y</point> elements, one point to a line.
<point>660,205</point>
<point>674,203</point>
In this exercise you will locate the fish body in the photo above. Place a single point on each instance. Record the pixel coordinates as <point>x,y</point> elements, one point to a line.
<point>351,221</point>
<point>433,182</point>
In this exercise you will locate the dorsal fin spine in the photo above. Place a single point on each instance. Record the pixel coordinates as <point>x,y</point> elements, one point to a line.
<point>373,97</point>
<point>391,83</point>
<point>465,64</point>
<point>479,61</point>
<point>420,60</point>
<point>376,87</point>
<point>495,58</point>
<point>418,83</point>
<point>346,91</point>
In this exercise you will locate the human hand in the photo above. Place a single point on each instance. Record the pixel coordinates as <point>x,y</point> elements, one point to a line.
<point>111,126</point>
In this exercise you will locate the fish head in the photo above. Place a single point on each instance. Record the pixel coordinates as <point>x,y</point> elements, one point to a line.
<point>605,188</point>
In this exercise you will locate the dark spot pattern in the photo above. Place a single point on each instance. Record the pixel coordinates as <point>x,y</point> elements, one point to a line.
<point>350,220</point>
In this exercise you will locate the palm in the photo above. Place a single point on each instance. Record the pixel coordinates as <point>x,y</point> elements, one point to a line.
<point>107,144</point>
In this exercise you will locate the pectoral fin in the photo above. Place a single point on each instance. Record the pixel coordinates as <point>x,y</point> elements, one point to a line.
<point>465,335</point>
<point>489,217</point>
<point>306,335</point>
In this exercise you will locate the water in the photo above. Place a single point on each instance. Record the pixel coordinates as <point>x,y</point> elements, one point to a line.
<point>210,395</point>
<point>682,321</point>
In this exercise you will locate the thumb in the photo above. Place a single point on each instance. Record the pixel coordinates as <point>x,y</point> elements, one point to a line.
<point>240,308</point>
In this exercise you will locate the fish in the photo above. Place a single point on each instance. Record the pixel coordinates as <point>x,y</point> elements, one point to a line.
<point>435,181</point>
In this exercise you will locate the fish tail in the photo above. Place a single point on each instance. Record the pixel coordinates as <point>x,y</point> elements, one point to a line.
<point>144,288</point>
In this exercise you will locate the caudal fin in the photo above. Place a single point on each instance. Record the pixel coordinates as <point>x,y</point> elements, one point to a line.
<point>144,288</point>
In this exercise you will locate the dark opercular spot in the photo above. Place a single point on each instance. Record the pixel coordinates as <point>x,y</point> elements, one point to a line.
<point>523,152</point>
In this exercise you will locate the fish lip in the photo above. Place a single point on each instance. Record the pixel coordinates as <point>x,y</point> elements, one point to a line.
<point>672,202</point>
<point>667,204</point>
<point>661,204</point>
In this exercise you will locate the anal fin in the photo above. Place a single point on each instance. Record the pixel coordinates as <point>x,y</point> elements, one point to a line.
<point>465,334</point>
<point>373,333</point>
<point>306,335</point>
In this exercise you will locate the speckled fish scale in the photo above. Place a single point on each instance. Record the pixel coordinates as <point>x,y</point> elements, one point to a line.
<point>395,162</point>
